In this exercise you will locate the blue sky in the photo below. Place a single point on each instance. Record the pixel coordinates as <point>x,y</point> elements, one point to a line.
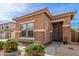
<point>8,11</point>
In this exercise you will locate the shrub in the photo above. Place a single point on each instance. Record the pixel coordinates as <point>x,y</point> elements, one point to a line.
<point>34,50</point>
<point>1,45</point>
<point>73,30</point>
<point>11,45</point>
<point>65,40</point>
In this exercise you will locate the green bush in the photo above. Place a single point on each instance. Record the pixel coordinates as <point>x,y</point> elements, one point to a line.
<point>73,30</point>
<point>11,45</point>
<point>1,45</point>
<point>65,41</point>
<point>34,50</point>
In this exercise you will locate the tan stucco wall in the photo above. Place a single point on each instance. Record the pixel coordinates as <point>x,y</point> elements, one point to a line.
<point>75,36</point>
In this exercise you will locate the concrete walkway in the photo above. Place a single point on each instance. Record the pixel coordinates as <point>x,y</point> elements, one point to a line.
<point>3,40</point>
<point>58,49</point>
<point>51,49</point>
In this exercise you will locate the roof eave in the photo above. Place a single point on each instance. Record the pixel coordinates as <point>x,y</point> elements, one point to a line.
<point>65,14</point>
<point>35,13</point>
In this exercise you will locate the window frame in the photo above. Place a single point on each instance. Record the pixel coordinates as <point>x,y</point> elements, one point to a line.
<point>28,28</point>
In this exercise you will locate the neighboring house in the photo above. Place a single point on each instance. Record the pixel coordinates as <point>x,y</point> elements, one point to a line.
<point>43,27</point>
<point>7,30</point>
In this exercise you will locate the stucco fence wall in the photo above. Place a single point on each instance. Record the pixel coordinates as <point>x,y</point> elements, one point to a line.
<point>75,36</point>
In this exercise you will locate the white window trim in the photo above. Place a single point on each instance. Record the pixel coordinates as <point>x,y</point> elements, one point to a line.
<point>27,22</point>
<point>39,30</point>
<point>66,25</point>
<point>59,20</point>
<point>51,31</point>
<point>17,31</point>
<point>28,38</point>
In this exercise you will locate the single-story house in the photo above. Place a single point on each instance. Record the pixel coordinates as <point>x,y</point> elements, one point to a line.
<point>43,27</point>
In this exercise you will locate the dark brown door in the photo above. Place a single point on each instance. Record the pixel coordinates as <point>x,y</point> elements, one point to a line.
<point>57,31</point>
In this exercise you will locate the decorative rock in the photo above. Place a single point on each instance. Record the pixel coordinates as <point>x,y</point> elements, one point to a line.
<point>1,52</point>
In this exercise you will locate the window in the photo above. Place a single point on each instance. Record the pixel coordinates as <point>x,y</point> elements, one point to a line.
<point>23,33</point>
<point>30,33</point>
<point>23,27</point>
<point>26,30</point>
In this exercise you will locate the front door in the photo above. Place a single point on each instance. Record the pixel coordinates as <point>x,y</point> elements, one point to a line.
<point>57,31</point>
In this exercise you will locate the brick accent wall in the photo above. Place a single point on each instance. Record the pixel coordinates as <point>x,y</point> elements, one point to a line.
<point>43,26</point>
<point>48,27</point>
<point>40,37</point>
<point>39,27</point>
<point>67,28</point>
<point>67,33</point>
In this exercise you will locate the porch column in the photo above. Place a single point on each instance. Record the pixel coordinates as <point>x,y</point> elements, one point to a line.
<point>67,30</point>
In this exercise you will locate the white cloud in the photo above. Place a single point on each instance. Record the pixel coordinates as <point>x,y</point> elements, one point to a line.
<point>7,10</point>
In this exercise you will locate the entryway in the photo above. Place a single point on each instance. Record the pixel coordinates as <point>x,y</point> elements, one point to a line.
<point>57,31</point>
